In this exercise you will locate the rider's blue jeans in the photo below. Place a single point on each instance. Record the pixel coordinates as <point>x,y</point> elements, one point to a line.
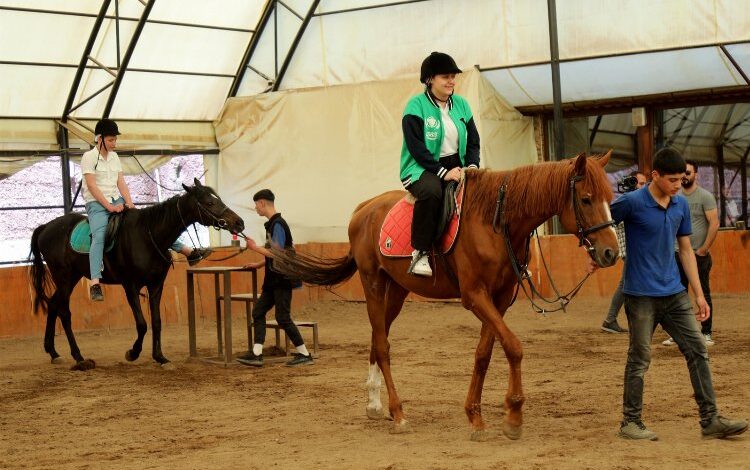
<point>675,314</point>
<point>98,218</point>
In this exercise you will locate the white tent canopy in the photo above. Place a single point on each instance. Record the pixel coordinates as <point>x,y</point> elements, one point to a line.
<point>185,60</point>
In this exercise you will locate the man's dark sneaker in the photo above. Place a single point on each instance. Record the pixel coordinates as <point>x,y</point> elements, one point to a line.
<point>96,293</point>
<point>300,360</point>
<point>251,359</point>
<point>636,430</point>
<point>197,255</point>
<point>721,427</point>
<point>613,327</point>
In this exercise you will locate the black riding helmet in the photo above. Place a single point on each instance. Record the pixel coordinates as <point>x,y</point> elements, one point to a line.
<point>437,63</point>
<point>106,127</point>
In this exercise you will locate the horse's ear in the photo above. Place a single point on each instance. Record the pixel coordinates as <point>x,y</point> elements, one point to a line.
<point>604,159</point>
<point>197,182</point>
<point>186,188</point>
<point>581,164</point>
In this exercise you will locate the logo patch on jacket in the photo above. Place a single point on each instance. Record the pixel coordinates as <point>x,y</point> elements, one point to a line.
<point>432,126</point>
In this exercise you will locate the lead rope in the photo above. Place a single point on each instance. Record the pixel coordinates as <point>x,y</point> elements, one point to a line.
<point>521,270</point>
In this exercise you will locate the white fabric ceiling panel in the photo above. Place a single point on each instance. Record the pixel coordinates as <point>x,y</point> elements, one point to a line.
<point>613,77</point>
<point>384,43</point>
<point>265,60</point>
<point>35,37</point>
<point>168,96</point>
<point>105,46</point>
<point>188,49</point>
<point>226,13</point>
<point>91,81</point>
<point>732,20</point>
<point>34,91</point>
<point>523,86</point>
<point>741,54</point>
<point>78,6</point>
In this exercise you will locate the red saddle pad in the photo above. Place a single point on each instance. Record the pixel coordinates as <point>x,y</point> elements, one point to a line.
<point>395,234</point>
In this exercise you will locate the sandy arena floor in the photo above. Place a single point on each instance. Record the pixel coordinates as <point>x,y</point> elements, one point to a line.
<point>136,415</point>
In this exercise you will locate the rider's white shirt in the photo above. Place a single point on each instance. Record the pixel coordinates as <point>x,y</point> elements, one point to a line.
<point>106,171</point>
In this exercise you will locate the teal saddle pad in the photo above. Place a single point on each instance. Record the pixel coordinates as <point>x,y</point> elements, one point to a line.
<point>80,238</point>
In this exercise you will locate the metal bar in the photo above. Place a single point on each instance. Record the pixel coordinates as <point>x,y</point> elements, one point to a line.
<point>734,62</point>
<point>227,318</point>
<point>70,66</point>
<point>678,130</point>
<point>106,69</point>
<point>66,148</point>
<point>84,58</point>
<point>126,18</point>
<point>270,80</point>
<point>290,10</point>
<point>697,121</point>
<point>659,122</point>
<point>556,92</point>
<point>370,7</point>
<point>618,54</point>
<point>97,92</point>
<point>122,152</point>
<point>594,130</point>
<point>743,182</point>
<point>126,58</point>
<point>295,43</point>
<point>250,50</point>
<point>117,32</point>
<point>722,182</point>
<point>62,139</point>
<point>80,206</point>
<point>275,41</point>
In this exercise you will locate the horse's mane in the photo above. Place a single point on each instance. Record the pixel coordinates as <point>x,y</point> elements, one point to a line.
<point>532,190</point>
<point>161,210</point>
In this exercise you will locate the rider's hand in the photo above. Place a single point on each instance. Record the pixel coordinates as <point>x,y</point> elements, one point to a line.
<point>116,208</point>
<point>454,175</point>
<point>130,205</point>
<point>704,311</point>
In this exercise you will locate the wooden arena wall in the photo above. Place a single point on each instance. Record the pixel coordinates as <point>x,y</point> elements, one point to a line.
<point>566,261</point>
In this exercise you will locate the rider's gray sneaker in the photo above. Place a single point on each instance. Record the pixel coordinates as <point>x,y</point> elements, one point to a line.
<point>636,430</point>
<point>721,427</point>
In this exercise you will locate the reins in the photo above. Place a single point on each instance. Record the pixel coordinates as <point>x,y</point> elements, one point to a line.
<point>500,226</point>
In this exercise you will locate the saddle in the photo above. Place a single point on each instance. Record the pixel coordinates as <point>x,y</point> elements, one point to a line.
<point>395,233</point>
<point>80,237</point>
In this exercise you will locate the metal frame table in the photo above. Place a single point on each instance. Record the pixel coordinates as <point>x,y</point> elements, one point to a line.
<point>225,342</point>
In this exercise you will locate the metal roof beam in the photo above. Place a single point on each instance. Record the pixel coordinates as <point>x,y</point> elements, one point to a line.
<point>295,43</point>
<point>251,46</point>
<point>126,58</point>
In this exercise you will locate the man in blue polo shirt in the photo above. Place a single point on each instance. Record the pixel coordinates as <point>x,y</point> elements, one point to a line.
<point>654,217</point>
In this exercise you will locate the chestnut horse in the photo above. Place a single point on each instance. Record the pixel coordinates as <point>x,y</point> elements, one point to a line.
<point>577,190</point>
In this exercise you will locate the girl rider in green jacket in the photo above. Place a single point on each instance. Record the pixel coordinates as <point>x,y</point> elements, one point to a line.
<point>440,138</point>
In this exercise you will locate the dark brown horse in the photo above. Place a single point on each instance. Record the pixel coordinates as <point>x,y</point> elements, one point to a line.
<point>138,259</point>
<point>577,190</point>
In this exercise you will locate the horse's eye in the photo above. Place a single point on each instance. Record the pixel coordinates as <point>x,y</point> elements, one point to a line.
<point>586,200</point>
<point>210,203</point>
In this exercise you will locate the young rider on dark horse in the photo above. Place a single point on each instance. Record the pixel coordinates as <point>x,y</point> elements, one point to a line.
<point>104,192</point>
<point>440,138</point>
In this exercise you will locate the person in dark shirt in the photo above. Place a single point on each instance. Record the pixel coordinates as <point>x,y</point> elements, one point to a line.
<point>277,290</point>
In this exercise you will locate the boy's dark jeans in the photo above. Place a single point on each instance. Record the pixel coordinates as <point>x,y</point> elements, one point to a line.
<point>675,314</point>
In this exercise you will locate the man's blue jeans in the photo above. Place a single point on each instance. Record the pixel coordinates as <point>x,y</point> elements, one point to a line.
<point>675,314</point>
<point>98,219</point>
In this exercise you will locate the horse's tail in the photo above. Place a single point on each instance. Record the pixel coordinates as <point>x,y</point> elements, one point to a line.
<point>312,269</point>
<point>40,276</point>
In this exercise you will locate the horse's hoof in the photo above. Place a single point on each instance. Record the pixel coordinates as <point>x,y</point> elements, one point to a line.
<point>86,364</point>
<point>57,360</point>
<point>401,428</point>
<point>130,356</point>
<point>511,432</point>
<point>480,435</point>
<point>168,366</point>
<point>375,413</point>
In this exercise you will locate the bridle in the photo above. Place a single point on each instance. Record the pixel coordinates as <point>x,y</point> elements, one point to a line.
<point>521,271</point>
<point>583,233</point>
